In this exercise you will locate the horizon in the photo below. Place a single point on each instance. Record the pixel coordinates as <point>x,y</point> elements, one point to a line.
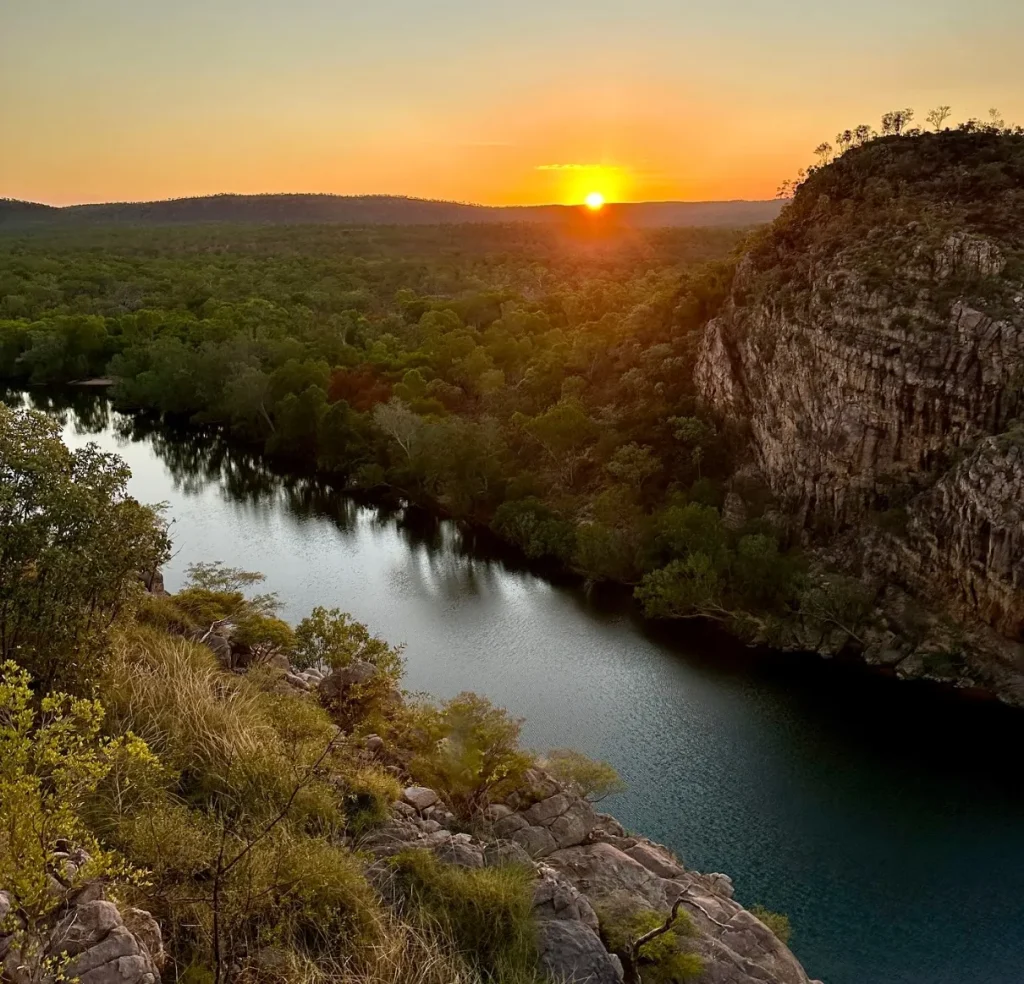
<point>543,104</point>
<point>383,195</point>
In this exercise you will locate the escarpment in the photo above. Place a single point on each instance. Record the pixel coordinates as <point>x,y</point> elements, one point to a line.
<point>873,344</point>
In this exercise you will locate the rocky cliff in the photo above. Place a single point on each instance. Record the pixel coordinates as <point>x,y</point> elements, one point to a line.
<point>587,870</point>
<point>873,345</point>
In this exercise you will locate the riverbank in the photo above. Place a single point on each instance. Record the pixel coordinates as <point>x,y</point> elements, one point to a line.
<point>929,672</point>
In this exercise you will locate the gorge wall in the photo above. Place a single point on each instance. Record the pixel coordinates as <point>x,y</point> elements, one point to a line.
<point>873,345</point>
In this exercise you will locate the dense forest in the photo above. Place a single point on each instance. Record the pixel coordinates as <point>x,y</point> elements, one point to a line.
<point>537,381</point>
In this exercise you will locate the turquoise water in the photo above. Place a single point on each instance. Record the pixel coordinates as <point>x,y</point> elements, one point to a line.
<point>884,818</point>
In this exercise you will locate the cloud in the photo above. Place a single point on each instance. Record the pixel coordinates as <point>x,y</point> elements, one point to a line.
<point>577,167</point>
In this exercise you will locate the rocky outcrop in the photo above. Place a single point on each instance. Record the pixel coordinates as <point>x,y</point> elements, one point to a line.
<point>879,370</point>
<point>92,941</point>
<point>588,869</point>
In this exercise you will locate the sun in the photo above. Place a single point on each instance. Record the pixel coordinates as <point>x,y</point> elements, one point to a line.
<point>594,201</point>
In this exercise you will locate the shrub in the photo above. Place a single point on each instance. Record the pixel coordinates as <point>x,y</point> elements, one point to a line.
<point>661,961</point>
<point>590,778</point>
<point>163,612</point>
<point>227,741</point>
<point>469,752</point>
<point>330,637</point>
<point>369,794</point>
<point>280,887</point>
<point>216,594</point>
<point>485,912</point>
<point>51,761</point>
<point>777,922</point>
<point>535,528</point>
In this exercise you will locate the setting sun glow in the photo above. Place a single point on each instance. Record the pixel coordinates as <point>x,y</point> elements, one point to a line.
<point>595,201</point>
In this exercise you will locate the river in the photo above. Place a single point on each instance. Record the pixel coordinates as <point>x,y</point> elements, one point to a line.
<point>885,819</point>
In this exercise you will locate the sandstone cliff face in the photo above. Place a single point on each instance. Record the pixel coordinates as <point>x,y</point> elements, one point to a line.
<point>879,366</point>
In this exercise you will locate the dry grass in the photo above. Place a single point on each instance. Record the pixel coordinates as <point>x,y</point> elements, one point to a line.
<point>172,693</point>
<point>403,956</point>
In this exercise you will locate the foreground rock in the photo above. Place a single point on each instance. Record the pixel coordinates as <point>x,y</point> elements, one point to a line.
<point>586,865</point>
<point>91,942</point>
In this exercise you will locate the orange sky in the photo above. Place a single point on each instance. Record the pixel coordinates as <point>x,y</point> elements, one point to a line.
<point>458,99</point>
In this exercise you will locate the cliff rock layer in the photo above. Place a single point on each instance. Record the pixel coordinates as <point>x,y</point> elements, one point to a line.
<point>874,345</point>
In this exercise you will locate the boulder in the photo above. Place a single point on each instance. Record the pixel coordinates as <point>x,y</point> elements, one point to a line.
<point>537,841</point>
<point>574,825</point>
<point>98,945</point>
<point>441,814</point>
<point>555,897</point>
<point>547,809</point>
<point>154,583</point>
<point>654,860</point>
<point>419,797</point>
<point>221,649</point>
<point>506,852</point>
<point>83,927</point>
<point>735,946</point>
<point>461,854</point>
<point>604,871</point>
<point>572,953</point>
<point>280,662</point>
<point>507,826</point>
<point>146,930</point>
<point>341,680</point>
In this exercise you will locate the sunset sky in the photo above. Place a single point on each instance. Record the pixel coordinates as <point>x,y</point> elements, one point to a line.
<point>473,100</point>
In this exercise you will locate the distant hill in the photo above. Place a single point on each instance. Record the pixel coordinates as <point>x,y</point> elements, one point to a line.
<point>372,210</point>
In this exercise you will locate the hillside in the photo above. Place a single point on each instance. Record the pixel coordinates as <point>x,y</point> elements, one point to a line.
<point>874,345</point>
<point>374,210</point>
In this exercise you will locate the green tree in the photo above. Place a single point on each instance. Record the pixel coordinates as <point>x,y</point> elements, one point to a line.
<point>684,589</point>
<point>633,465</point>
<point>72,547</point>
<point>330,637</point>
<point>563,431</point>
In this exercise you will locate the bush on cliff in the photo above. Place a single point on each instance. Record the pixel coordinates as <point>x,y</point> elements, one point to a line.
<point>777,922</point>
<point>590,778</point>
<point>663,960</point>
<point>468,750</point>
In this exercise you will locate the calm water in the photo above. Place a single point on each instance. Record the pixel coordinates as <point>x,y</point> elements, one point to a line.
<point>886,820</point>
